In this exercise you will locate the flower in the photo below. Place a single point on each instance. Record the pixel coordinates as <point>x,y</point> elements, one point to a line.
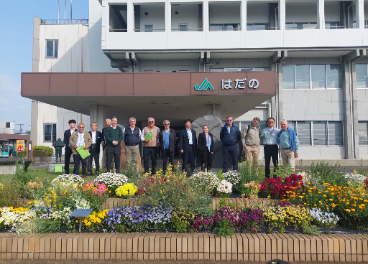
<point>127,190</point>
<point>111,180</point>
<point>68,178</point>
<point>224,187</point>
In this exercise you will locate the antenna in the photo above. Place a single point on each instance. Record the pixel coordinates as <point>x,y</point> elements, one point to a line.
<point>20,127</point>
<point>58,11</point>
<point>71,9</point>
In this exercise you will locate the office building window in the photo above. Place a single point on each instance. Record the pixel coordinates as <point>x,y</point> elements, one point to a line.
<point>316,133</point>
<point>245,69</point>
<point>148,28</point>
<point>50,132</point>
<point>7,124</point>
<point>51,48</point>
<point>183,27</point>
<point>311,76</point>
<point>361,76</point>
<point>363,132</point>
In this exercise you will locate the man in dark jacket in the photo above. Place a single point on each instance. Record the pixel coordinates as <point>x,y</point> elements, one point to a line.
<point>230,137</point>
<point>132,137</point>
<point>94,150</point>
<point>68,148</point>
<point>167,139</point>
<point>188,145</point>
<point>113,137</point>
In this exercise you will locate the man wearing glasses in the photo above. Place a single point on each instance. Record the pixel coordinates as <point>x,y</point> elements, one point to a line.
<point>150,144</point>
<point>230,137</point>
<point>78,139</point>
<point>167,139</point>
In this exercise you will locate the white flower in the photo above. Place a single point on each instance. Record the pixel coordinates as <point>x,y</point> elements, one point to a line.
<point>206,180</point>
<point>82,204</point>
<point>325,219</point>
<point>356,178</point>
<point>68,179</point>
<point>232,176</point>
<point>111,180</point>
<point>224,187</point>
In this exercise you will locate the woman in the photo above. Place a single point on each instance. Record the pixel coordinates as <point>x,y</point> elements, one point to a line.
<point>205,145</point>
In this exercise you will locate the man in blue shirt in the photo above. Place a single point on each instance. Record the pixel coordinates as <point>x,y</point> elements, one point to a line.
<point>230,137</point>
<point>289,144</point>
<point>270,136</point>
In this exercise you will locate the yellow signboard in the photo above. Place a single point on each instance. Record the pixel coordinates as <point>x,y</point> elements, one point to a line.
<point>20,145</point>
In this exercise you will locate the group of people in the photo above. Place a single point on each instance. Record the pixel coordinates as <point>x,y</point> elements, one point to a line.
<point>251,137</point>
<point>164,140</point>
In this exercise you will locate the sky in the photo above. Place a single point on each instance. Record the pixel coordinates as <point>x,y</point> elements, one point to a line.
<point>16,43</point>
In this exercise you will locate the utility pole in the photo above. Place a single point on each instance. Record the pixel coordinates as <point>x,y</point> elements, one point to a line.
<point>20,127</point>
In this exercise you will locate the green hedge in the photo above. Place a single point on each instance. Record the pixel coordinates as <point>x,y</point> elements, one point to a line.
<point>42,151</point>
<point>22,153</point>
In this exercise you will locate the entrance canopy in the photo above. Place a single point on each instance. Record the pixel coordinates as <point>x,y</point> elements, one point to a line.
<point>173,96</point>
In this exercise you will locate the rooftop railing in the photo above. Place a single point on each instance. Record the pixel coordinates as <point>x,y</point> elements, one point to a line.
<point>64,21</point>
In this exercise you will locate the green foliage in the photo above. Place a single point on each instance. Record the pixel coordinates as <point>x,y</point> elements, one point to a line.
<point>328,173</point>
<point>21,174</point>
<point>38,225</point>
<point>247,174</point>
<point>42,151</point>
<point>10,193</point>
<point>223,228</point>
<point>22,154</point>
<point>223,202</point>
<point>311,230</point>
<point>220,175</point>
<point>283,171</point>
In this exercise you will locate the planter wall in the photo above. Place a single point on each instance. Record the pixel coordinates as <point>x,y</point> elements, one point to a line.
<point>176,247</point>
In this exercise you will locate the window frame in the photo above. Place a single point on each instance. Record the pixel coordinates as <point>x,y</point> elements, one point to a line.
<point>312,129</point>
<point>310,77</point>
<point>148,25</point>
<point>52,131</point>
<point>356,76</point>
<point>53,49</point>
<point>366,122</point>
<point>183,24</point>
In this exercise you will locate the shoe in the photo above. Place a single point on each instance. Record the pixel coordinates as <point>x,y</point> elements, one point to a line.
<point>84,176</point>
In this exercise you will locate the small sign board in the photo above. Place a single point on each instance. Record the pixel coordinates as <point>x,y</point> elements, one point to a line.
<point>81,212</point>
<point>20,145</point>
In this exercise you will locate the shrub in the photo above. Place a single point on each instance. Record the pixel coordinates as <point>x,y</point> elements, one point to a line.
<point>205,181</point>
<point>181,219</point>
<point>10,193</point>
<point>233,177</point>
<point>203,223</point>
<point>111,180</point>
<point>322,172</point>
<point>22,154</point>
<point>42,151</point>
<point>223,227</point>
<point>311,230</point>
<point>251,220</point>
<point>247,173</point>
<point>68,179</point>
<point>277,188</point>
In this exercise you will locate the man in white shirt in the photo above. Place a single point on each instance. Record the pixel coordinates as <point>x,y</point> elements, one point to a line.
<point>95,148</point>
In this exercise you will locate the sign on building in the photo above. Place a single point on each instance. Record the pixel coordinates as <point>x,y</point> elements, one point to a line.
<point>20,145</point>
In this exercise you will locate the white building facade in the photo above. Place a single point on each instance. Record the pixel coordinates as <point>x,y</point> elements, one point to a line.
<point>317,48</point>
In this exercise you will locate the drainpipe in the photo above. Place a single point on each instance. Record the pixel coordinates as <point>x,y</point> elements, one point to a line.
<point>276,16</point>
<point>349,15</point>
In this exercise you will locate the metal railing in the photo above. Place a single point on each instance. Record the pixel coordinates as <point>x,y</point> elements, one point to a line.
<point>149,30</point>
<point>225,27</point>
<point>299,26</point>
<point>64,21</point>
<point>339,27</point>
<point>187,29</point>
<point>118,30</point>
<point>253,27</point>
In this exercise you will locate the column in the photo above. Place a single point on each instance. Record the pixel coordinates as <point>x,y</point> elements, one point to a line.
<point>279,99</point>
<point>321,14</point>
<point>206,17</point>
<point>213,109</point>
<point>243,15</point>
<point>282,14</point>
<point>130,17</point>
<point>355,112</point>
<point>348,120</point>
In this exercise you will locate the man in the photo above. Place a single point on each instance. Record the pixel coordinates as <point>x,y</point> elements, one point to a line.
<point>78,139</point>
<point>95,148</point>
<point>188,145</point>
<point>113,137</point>
<point>68,148</point>
<point>289,144</point>
<point>108,124</point>
<point>270,137</point>
<point>251,141</point>
<point>230,137</point>
<point>132,137</point>
<point>167,139</point>
<point>150,145</point>
<point>58,145</point>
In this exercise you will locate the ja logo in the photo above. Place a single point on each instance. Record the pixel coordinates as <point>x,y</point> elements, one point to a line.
<point>205,84</point>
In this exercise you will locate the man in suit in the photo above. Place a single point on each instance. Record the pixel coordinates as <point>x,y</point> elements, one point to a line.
<point>188,145</point>
<point>68,148</point>
<point>113,138</point>
<point>78,139</point>
<point>103,141</point>
<point>94,150</point>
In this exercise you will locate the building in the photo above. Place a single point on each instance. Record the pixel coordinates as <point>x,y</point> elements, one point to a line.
<point>309,58</point>
<point>7,127</point>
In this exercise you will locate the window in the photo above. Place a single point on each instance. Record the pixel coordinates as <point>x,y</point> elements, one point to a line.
<point>311,76</point>
<point>363,132</point>
<point>50,132</point>
<point>361,76</point>
<point>7,125</point>
<point>51,48</point>
<point>183,27</point>
<point>245,69</point>
<point>316,133</point>
<point>148,28</point>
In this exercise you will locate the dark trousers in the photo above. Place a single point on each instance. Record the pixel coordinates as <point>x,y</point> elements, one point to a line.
<point>94,156</point>
<point>167,154</point>
<point>147,151</point>
<point>189,156</point>
<point>113,151</point>
<point>206,159</point>
<point>233,151</point>
<point>271,151</point>
<point>77,160</point>
<point>68,154</point>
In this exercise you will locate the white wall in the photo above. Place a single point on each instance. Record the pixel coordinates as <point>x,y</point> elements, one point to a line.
<point>5,130</point>
<point>362,98</point>
<point>188,14</point>
<point>228,13</point>
<point>257,13</point>
<point>155,17</point>
<point>168,65</point>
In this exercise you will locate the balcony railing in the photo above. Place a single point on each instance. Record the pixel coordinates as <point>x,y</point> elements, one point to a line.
<point>186,29</point>
<point>253,27</point>
<point>149,30</point>
<point>64,21</point>
<point>298,26</point>
<point>225,27</point>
